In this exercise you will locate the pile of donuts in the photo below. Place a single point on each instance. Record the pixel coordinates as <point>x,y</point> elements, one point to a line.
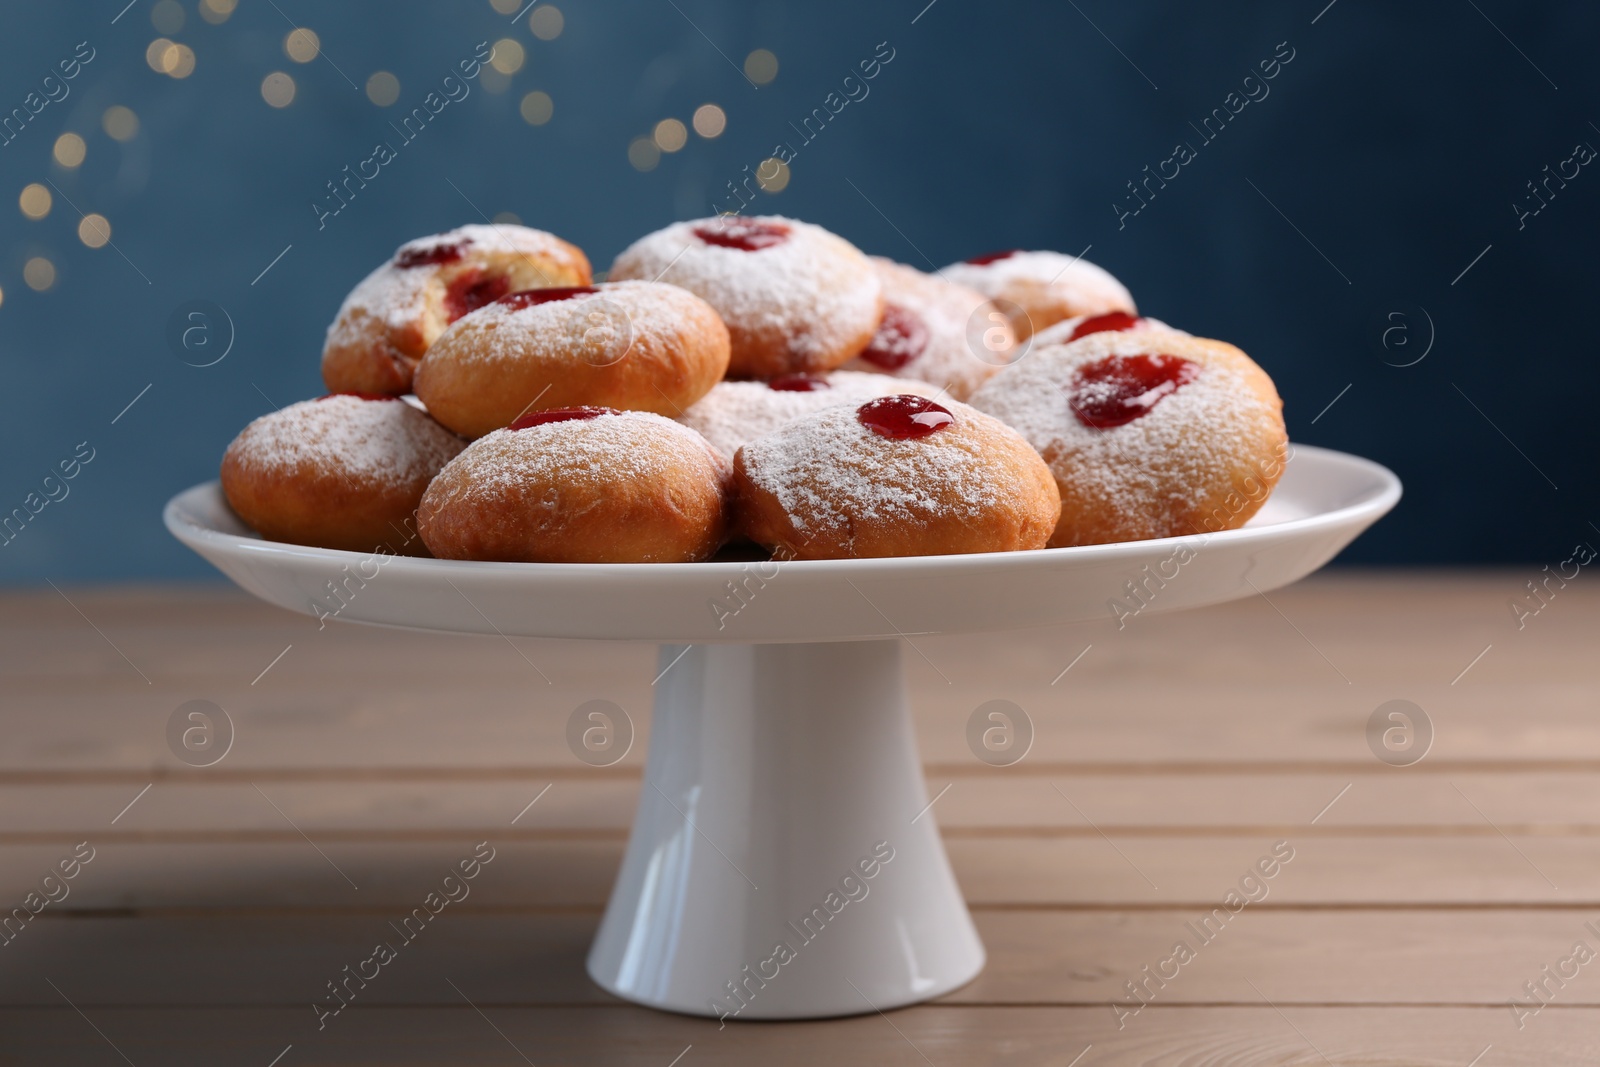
<point>751,381</point>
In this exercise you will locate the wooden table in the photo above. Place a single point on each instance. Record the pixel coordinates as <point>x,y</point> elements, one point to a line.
<point>1170,760</point>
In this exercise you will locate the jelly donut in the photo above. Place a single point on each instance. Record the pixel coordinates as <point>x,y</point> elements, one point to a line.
<point>345,471</point>
<point>1039,289</point>
<point>388,321</point>
<point>736,412</point>
<point>796,298</point>
<point>1068,330</point>
<point>936,331</point>
<point>1147,434</point>
<point>580,485</point>
<point>641,345</point>
<point>896,476</point>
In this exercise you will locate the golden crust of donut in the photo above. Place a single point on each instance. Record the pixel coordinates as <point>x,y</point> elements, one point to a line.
<point>1204,459</point>
<point>1039,289</point>
<point>628,487</point>
<point>341,472</point>
<point>390,319</point>
<point>803,306</point>
<point>826,487</point>
<point>645,346</point>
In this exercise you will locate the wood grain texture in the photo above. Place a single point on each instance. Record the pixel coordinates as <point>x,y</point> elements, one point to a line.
<point>1302,956</point>
<point>468,1035</point>
<point>1166,761</point>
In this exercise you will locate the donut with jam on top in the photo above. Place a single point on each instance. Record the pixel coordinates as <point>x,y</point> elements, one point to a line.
<point>1149,433</point>
<point>1080,326</point>
<point>644,346</point>
<point>933,330</point>
<point>389,321</point>
<point>1039,289</point>
<point>734,413</point>
<point>797,299</point>
<point>900,475</point>
<point>580,485</point>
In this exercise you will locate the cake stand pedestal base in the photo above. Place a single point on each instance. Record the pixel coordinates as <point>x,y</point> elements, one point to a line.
<point>783,863</point>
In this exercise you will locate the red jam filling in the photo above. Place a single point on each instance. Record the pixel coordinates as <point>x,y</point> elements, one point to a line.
<point>471,290</point>
<point>360,396</point>
<point>798,383</point>
<point>1118,389</point>
<point>901,338</point>
<point>903,416</point>
<point>1111,320</point>
<point>447,252</point>
<point>746,235</point>
<point>539,418</point>
<point>527,298</point>
<point>993,257</point>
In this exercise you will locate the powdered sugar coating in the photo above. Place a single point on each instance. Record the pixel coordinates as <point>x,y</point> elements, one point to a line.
<point>384,443</point>
<point>640,345</point>
<point>397,296</point>
<point>1061,332</point>
<point>1162,473</point>
<point>627,486</point>
<point>1045,286</point>
<point>958,325</point>
<point>808,303</point>
<point>588,454</point>
<point>734,413</point>
<point>831,474</point>
<point>597,327</point>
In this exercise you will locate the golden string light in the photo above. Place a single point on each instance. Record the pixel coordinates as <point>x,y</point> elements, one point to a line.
<point>546,22</point>
<point>120,123</point>
<point>709,121</point>
<point>35,201</point>
<point>671,135</point>
<point>536,108</point>
<point>94,230</point>
<point>216,12</point>
<point>761,66</point>
<point>277,89</point>
<point>643,154</point>
<point>302,45</point>
<point>383,88</point>
<point>39,273</point>
<point>69,150</point>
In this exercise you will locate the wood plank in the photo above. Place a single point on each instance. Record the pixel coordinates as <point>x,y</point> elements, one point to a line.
<point>994,871</point>
<point>623,1036</point>
<point>1416,906</point>
<point>1221,686</point>
<point>1373,957</point>
<point>1403,619</point>
<point>464,722</point>
<point>1392,802</point>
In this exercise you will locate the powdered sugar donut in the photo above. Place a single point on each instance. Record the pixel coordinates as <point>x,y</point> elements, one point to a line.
<point>388,321</point>
<point>797,299</point>
<point>340,472</point>
<point>642,345</point>
<point>580,485</point>
<point>736,412</point>
<point>1068,330</point>
<point>936,331</point>
<point>1039,289</point>
<point>1147,434</point>
<point>896,476</point>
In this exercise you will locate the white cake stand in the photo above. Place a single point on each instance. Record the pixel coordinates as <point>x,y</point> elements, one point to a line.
<point>783,863</point>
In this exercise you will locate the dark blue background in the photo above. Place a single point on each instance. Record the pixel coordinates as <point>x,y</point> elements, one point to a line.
<point>1397,140</point>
